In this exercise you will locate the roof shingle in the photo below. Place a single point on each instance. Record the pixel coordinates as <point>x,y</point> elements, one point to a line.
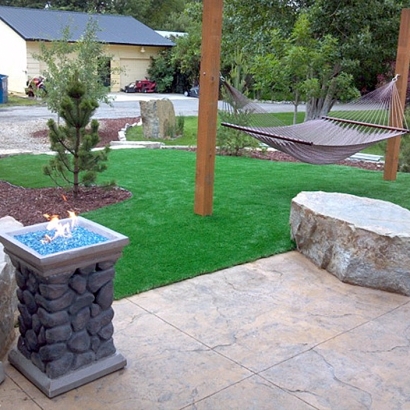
<point>48,25</point>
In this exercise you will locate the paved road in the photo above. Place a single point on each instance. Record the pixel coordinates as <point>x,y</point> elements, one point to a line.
<point>124,106</point>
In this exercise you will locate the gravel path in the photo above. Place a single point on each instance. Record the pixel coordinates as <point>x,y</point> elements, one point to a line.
<point>16,137</point>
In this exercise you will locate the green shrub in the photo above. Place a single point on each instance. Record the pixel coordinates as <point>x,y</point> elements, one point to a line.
<point>231,141</point>
<point>404,160</point>
<point>180,125</point>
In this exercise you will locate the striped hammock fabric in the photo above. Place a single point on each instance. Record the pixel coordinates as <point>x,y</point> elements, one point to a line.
<point>374,117</point>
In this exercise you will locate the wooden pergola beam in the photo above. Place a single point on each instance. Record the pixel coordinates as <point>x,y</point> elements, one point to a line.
<point>402,69</point>
<point>208,105</point>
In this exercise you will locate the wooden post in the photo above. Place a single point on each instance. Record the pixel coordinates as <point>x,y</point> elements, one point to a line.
<point>208,105</point>
<point>402,68</point>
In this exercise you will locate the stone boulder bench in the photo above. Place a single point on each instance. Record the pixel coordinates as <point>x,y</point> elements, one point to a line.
<point>361,241</point>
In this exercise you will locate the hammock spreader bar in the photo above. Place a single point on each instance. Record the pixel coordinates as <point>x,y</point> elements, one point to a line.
<point>367,124</point>
<point>257,131</point>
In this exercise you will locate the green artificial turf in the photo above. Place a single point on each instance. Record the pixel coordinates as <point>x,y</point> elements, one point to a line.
<point>169,243</point>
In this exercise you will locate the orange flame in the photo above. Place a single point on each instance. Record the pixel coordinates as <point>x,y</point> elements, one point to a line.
<point>61,229</point>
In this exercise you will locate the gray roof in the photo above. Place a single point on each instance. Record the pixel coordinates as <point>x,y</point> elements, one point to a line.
<point>47,25</point>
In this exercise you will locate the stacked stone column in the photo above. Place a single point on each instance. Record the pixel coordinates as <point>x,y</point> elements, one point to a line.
<point>65,320</point>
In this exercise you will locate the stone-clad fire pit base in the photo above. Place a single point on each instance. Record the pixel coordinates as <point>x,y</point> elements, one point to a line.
<point>54,387</point>
<point>65,319</point>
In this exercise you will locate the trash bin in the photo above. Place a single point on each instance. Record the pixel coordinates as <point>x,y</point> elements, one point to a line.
<point>3,89</point>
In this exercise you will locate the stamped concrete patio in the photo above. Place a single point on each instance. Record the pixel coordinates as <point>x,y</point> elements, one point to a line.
<point>277,333</point>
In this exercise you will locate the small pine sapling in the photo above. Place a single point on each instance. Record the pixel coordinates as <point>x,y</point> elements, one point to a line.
<point>75,161</point>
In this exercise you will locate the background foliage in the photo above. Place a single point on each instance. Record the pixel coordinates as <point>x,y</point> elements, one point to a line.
<point>362,36</point>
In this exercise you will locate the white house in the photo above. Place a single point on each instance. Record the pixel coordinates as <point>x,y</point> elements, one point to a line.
<point>129,43</point>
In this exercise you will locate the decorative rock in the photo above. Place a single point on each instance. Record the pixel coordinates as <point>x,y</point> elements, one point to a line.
<point>104,296</point>
<point>95,343</point>
<point>25,315</point>
<point>8,298</point>
<point>106,332</point>
<point>86,270</point>
<point>106,349</point>
<point>57,304</point>
<point>97,323</point>
<point>42,336</point>
<point>21,280</point>
<point>81,302</point>
<point>80,321</point>
<point>23,348</point>
<point>99,279</point>
<point>22,327</point>
<point>79,342</point>
<point>31,340</point>
<point>19,294</point>
<point>36,359</point>
<point>60,366</point>
<point>35,323</point>
<point>52,352</point>
<point>29,301</point>
<point>53,319</point>
<point>2,375</point>
<point>95,310</point>
<point>52,291</point>
<point>158,118</point>
<point>83,359</point>
<point>78,283</point>
<point>32,283</point>
<point>58,334</point>
<point>361,241</point>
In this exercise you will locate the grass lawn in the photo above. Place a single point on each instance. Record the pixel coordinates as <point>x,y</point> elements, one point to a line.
<point>14,100</point>
<point>169,243</point>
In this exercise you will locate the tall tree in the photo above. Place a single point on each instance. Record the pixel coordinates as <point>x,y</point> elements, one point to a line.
<point>25,3</point>
<point>306,68</point>
<point>187,53</point>
<point>367,33</point>
<point>250,24</point>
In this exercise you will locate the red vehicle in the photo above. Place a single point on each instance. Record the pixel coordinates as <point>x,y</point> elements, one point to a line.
<point>145,86</point>
<point>141,86</point>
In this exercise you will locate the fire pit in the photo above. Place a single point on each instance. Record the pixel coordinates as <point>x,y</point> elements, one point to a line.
<point>65,300</point>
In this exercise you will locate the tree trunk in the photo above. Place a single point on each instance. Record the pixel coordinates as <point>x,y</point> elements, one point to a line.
<point>295,107</point>
<point>76,171</point>
<point>320,106</point>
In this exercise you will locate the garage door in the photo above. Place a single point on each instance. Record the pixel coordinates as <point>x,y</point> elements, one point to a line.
<point>133,69</point>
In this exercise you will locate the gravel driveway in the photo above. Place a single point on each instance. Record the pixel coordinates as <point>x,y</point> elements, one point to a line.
<point>15,137</point>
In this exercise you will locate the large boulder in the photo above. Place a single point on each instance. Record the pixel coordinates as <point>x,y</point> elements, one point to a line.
<point>8,298</point>
<point>362,241</point>
<point>158,118</point>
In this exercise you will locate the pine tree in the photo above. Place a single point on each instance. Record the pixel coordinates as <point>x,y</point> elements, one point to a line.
<point>73,143</point>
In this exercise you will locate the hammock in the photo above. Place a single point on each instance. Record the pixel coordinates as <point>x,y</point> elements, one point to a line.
<point>331,138</point>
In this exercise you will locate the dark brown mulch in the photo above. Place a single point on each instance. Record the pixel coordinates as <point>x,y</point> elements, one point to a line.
<point>29,205</point>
